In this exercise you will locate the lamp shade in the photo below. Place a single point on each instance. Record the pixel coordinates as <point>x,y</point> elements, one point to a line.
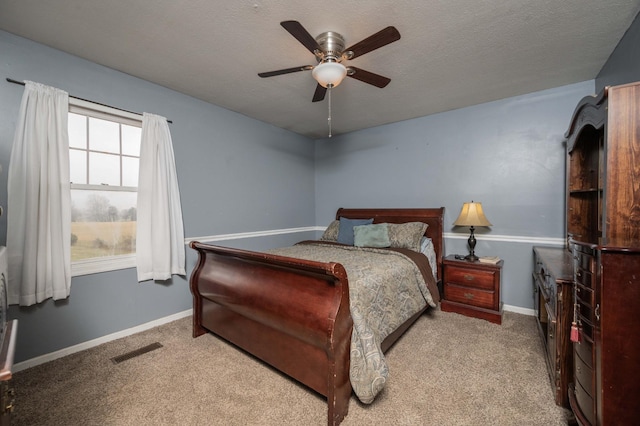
<point>471,215</point>
<point>329,74</point>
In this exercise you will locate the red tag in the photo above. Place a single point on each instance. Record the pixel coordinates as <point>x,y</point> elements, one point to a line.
<point>575,334</point>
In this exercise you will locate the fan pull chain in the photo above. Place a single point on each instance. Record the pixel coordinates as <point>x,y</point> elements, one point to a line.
<point>329,119</point>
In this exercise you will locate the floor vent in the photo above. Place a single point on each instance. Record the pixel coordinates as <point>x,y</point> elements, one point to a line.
<point>120,358</point>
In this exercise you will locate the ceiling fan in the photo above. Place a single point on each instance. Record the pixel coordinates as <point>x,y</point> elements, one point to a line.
<point>329,51</point>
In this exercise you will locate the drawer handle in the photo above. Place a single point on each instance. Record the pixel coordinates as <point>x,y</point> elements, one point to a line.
<point>468,295</point>
<point>597,312</point>
<point>468,277</point>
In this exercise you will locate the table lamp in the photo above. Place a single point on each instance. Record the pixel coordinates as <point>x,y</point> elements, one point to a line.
<point>471,215</point>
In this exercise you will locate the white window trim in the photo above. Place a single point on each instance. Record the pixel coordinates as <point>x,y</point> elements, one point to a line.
<point>106,263</point>
<point>104,187</point>
<point>102,111</point>
<point>102,264</point>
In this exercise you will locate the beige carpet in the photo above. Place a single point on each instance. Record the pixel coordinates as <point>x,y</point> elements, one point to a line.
<point>446,370</point>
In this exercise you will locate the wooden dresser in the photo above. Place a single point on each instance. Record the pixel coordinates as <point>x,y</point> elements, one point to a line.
<point>553,305</point>
<point>603,227</point>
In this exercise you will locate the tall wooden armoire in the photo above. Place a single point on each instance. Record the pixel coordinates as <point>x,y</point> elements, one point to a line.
<point>603,230</point>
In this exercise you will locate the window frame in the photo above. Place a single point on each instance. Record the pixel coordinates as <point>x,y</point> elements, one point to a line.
<point>104,263</point>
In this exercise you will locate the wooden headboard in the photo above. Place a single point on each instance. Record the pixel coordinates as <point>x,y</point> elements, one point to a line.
<point>433,217</point>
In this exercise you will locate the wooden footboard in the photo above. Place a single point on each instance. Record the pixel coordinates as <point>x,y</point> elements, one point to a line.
<point>291,313</point>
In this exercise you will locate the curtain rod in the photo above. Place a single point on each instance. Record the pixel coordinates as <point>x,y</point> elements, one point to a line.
<point>10,80</point>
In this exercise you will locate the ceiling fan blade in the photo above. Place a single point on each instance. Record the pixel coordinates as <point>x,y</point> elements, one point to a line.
<point>285,71</point>
<point>379,39</point>
<point>319,93</point>
<point>296,29</point>
<point>368,77</point>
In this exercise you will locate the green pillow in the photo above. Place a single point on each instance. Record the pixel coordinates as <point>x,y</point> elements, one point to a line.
<point>376,235</point>
<point>345,229</point>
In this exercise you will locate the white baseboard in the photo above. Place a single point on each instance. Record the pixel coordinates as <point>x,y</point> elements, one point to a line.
<point>518,310</point>
<point>100,340</point>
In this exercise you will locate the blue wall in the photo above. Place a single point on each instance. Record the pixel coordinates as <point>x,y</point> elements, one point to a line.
<point>235,174</point>
<point>507,154</point>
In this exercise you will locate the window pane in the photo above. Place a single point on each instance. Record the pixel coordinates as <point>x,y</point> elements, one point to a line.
<point>104,135</point>
<point>104,169</point>
<point>104,152</point>
<point>131,137</point>
<point>78,166</point>
<point>77,131</point>
<point>130,168</point>
<point>103,223</point>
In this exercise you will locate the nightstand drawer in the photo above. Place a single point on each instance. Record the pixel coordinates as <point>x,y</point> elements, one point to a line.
<point>469,296</point>
<point>477,278</point>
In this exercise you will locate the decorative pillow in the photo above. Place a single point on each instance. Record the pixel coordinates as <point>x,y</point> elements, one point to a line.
<point>345,230</point>
<point>371,235</point>
<point>331,233</point>
<point>407,235</point>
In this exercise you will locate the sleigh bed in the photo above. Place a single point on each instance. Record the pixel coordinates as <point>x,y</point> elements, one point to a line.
<point>295,313</point>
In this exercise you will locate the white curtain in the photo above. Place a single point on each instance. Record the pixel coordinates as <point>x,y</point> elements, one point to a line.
<point>160,251</point>
<point>39,199</point>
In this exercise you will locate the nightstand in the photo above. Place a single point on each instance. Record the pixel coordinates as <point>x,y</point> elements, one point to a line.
<point>472,289</point>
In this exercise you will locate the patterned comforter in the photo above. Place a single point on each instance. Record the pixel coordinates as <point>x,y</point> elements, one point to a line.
<point>386,287</point>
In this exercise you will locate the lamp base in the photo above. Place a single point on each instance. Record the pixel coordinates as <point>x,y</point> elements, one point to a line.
<point>471,257</point>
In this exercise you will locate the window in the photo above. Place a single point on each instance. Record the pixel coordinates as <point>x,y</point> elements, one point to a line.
<point>104,156</point>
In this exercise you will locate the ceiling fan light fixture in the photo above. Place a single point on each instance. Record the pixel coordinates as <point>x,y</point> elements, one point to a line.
<point>329,74</point>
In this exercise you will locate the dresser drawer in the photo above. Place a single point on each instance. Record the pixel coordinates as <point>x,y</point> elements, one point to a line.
<point>586,328</point>
<point>585,295</point>
<point>584,350</point>
<point>583,374</point>
<point>469,296</point>
<point>543,276</point>
<point>583,252</point>
<point>581,249</point>
<point>586,311</point>
<point>478,279</point>
<point>551,339</point>
<point>583,261</point>
<point>584,277</point>
<point>585,401</point>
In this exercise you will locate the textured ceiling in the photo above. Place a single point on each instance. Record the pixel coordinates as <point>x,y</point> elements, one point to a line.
<point>452,53</point>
